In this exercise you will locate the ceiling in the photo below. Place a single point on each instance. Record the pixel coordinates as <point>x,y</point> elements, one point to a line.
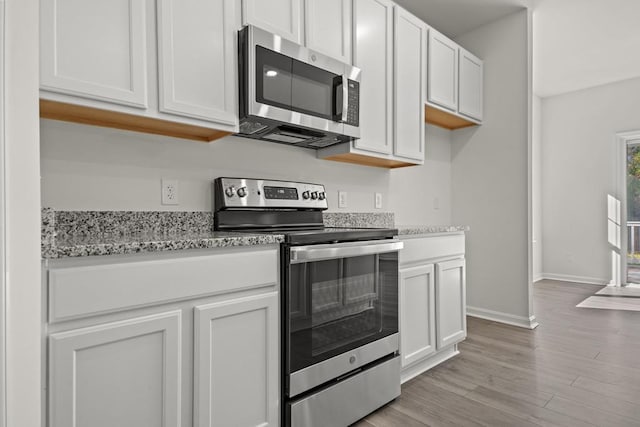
<point>456,17</point>
<point>577,44</point>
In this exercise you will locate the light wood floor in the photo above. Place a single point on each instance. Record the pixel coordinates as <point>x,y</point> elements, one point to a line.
<point>580,367</point>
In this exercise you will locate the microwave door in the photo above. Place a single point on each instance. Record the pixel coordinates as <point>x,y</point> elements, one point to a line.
<point>313,97</point>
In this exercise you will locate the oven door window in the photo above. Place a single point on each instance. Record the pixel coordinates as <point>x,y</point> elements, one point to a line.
<point>294,85</point>
<point>340,304</point>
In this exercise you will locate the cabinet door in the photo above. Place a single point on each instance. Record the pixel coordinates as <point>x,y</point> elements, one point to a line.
<point>327,27</point>
<point>451,303</point>
<point>124,374</point>
<point>236,362</point>
<point>470,87</point>
<point>373,53</point>
<point>409,84</point>
<point>94,49</point>
<point>417,313</point>
<point>281,17</point>
<point>197,58</point>
<point>443,71</point>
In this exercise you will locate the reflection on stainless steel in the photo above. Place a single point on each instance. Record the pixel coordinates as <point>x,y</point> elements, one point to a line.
<point>349,400</point>
<point>314,375</point>
<point>340,250</point>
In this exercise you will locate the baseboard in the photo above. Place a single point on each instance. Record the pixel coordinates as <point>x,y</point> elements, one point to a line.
<point>417,368</point>
<point>538,277</point>
<point>575,279</point>
<point>498,316</point>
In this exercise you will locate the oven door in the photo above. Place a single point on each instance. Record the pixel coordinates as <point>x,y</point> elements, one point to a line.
<point>340,309</point>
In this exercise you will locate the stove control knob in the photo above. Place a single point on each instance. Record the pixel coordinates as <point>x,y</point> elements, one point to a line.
<point>314,195</point>
<point>321,195</point>
<point>305,195</point>
<point>230,191</point>
<point>242,191</point>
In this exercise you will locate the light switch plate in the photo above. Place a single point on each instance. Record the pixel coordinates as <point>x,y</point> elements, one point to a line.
<point>378,200</point>
<point>342,199</point>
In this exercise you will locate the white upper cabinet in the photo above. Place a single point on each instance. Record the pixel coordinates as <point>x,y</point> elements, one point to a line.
<point>281,17</point>
<point>409,85</point>
<point>95,49</point>
<point>373,53</point>
<point>197,59</point>
<point>443,71</point>
<point>471,82</point>
<point>328,27</point>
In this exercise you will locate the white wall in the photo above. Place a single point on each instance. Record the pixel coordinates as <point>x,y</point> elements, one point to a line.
<point>578,138</point>
<point>422,194</point>
<point>22,215</point>
<point>93,168</point>
<point>536,199</point>
<point>490,170</point>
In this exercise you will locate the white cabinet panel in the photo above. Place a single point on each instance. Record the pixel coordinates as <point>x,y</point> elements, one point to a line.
<point>450,302</point>
<point>373,53</point>
<point>417,313</point>
<point>281,17</point>
<point>124,374</point>
<point>471,82</point>
<point>443,71</point>
<point>197,58</point>
<point>87,290</point>
<point>236,362</point>
<point>95,49</point>
<point>328,27</point>
<point>409,85</point>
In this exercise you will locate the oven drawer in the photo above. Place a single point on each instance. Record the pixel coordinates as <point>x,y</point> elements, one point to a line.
<point>349,400</point>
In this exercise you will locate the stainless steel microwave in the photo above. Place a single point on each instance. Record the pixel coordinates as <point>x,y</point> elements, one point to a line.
<point>293,95</point>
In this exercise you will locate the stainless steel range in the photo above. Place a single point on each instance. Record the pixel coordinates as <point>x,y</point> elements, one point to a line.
<point>339,306</point>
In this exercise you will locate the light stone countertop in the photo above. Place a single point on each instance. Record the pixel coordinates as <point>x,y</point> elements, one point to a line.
<point>94,233</point>
<point>407,230</point>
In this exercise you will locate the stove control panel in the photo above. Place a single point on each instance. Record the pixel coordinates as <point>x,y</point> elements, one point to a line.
<point>262,193</point>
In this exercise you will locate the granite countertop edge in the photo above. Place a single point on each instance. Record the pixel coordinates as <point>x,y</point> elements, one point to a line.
<point>80,247</point>
<point>408,230</point>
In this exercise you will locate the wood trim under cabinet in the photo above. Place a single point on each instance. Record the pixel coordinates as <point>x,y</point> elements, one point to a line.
<point>435,116</point>
<point>93,116</point>
<point>361,159</point>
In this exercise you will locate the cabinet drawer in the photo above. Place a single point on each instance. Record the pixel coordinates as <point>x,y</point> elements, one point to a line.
<point>423,248</point>
<point>81,291</point>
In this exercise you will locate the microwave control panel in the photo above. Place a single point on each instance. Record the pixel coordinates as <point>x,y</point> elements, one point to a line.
<point>353,112</point>
<point>259,193</point>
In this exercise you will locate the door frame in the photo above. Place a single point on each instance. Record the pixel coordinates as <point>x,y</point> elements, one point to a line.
<point>3,299</point>
<point>619,277</point>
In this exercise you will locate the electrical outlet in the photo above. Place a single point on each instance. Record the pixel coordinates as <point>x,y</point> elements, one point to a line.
<point>378,200</point>
<point>342,199</point>
<point>169,191</point>
<point>436,203</point>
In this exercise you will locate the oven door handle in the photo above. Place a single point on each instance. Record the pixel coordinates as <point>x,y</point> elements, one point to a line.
<point>300,254</point>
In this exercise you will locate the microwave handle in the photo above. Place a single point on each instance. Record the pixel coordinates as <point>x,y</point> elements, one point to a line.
<point>300,254</point>
<point>345,98</point>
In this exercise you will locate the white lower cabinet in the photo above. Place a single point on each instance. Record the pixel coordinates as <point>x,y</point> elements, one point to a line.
<point>432,301</point>
<point>190,339</point>
<point>236,350</point>
<point>417,313</point>
<point>124,373</point>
